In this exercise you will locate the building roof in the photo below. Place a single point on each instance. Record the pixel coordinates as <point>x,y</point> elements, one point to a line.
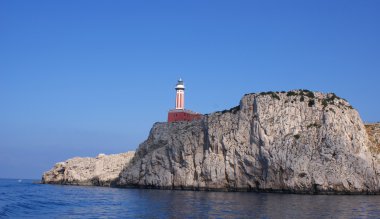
<point>183,110</point>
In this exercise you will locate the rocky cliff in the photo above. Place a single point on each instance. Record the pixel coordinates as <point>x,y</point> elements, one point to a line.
<point>100,171</point>
<point>373,131</point>
<point>297,141</point>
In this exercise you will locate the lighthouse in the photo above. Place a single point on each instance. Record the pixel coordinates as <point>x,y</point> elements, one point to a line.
<point>180,113</point>
<point>180,96</point>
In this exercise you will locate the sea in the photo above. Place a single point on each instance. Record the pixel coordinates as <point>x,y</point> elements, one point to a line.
<point>27,199</point>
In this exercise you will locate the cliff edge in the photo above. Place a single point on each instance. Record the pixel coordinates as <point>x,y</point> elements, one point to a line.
<point>297,141</point>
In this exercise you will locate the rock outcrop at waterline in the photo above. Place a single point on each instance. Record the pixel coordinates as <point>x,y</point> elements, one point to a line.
<point>297,141</point>
<point>100,171</point>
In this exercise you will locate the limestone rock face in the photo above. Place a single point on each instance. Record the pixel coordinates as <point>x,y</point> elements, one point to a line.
<point>297,141</point>
<point>101,170</point>
<point>373,131</point>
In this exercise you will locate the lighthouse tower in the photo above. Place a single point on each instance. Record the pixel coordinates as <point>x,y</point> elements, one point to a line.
<point>180,113</point>
<point>180,96</point>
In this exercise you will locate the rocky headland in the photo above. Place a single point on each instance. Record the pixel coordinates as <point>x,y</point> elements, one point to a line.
<point>297,141</point>
<point>100,171</point>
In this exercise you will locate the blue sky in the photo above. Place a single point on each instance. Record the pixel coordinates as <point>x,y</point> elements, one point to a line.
<point>78,78</point>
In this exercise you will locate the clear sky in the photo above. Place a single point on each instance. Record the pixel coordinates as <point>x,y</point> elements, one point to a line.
<point>78,78</point>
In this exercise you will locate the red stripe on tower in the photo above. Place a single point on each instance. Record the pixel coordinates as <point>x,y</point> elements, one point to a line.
<point>176,100</point>
<point>180,100</point>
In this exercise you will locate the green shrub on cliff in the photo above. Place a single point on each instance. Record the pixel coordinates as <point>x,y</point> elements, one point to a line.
<point>272,94</point>
<point>316,125</point>
<point>311,103</point>
<point>330,100</point>
<point>310,94</point>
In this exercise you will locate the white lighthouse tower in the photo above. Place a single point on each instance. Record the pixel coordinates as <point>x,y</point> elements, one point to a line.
<point>180,96</point>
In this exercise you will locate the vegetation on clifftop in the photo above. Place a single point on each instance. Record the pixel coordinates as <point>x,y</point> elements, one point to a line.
<point>302,95</point>
<point>272,94</point>
<point>311,99</point>
<point>233,110</point>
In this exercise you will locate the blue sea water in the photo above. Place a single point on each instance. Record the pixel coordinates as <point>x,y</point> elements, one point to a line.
<point>20,199</point>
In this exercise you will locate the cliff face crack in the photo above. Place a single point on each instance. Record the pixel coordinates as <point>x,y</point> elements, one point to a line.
<point>169,155</point>
<point>226,163</point>
<point>206,140</point>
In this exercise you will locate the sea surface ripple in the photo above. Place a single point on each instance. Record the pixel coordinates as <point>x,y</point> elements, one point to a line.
<point>23,198</point>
